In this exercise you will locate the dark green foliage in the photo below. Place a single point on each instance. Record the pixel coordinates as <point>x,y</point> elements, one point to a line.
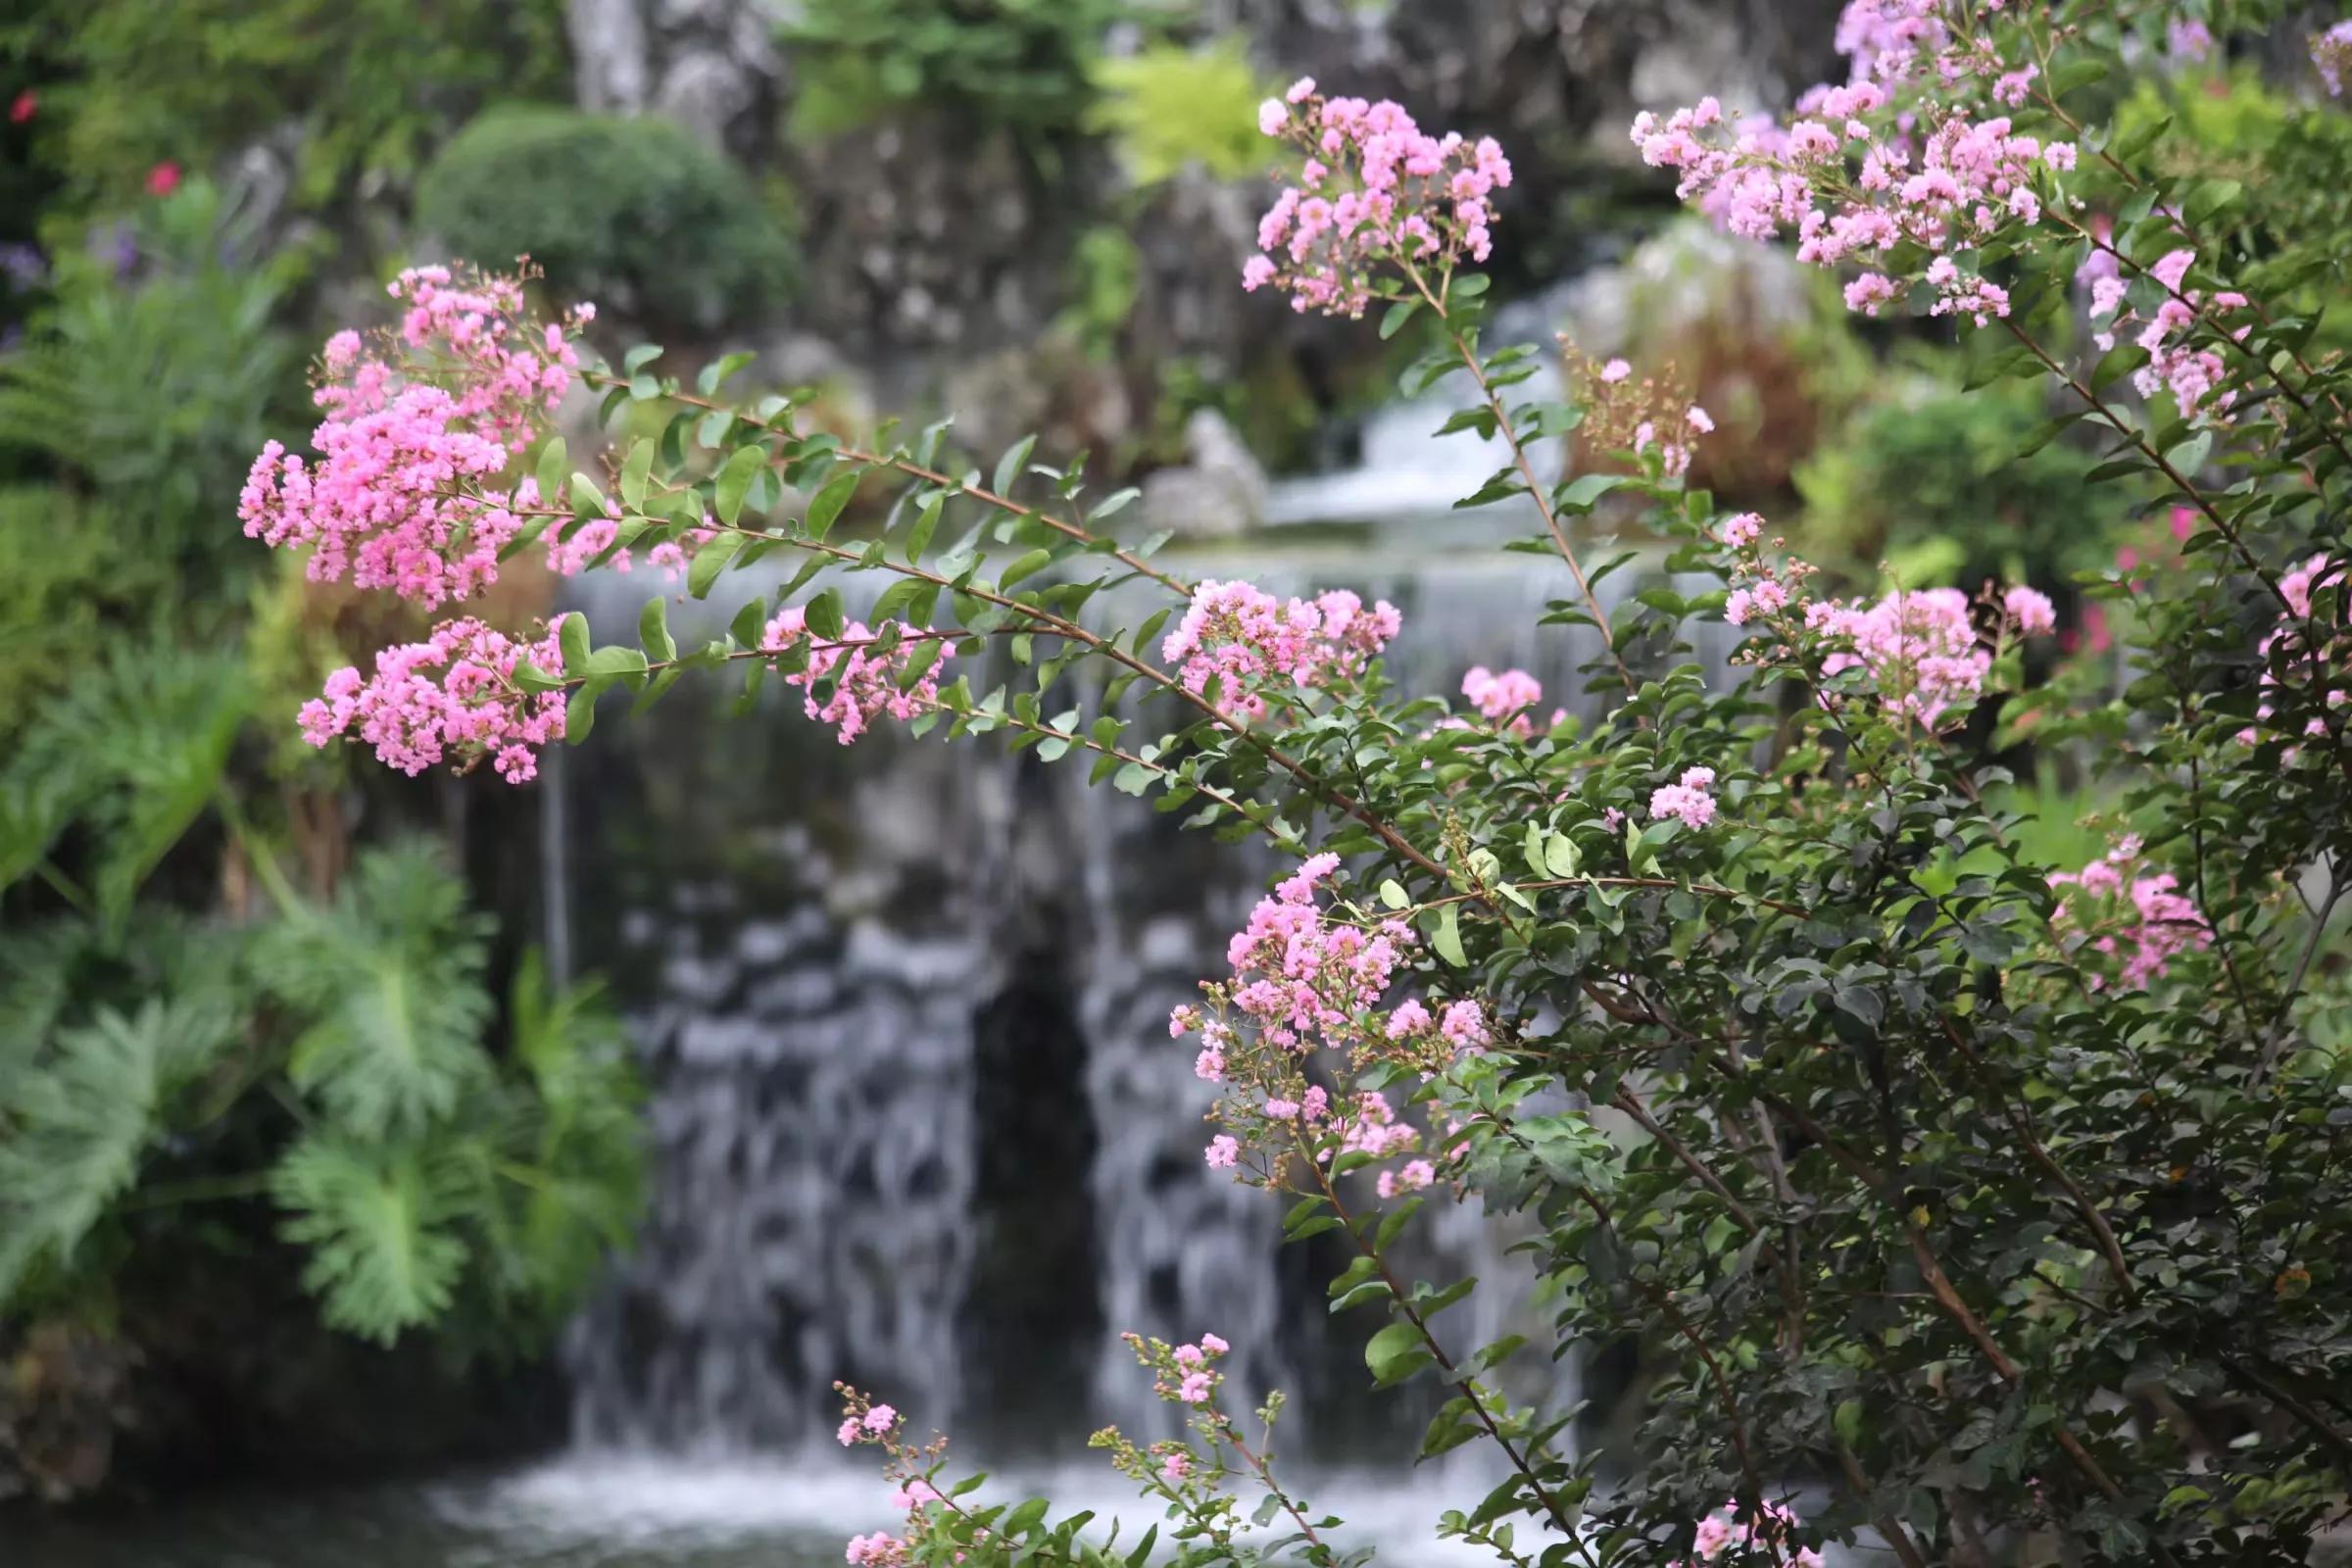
<point>338,1059</point>
<point>145,389</point>
<point>365,86</point>
<point>391,977</point>
<point>133,753</point>
<point>1929,480</point>
<point>633,213</point>
<point>1022,65</point>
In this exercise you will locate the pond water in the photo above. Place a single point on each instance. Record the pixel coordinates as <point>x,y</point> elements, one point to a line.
<point>610,1514</point>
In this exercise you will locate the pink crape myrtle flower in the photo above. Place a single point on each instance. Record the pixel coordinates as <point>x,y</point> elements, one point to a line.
<point>1864,175</point>
<point>1686,799</point>
<point>405,491</point>
<point>2031,609</point>
<point>880,1549</point>
<point>1251,642</point>
<point>1920,649</point>
<point>866,684</point>
<point>1504,699</point>
<point>1723,1531</point>
<point>1375,191</point>
<point>2141,923</point>
<point>2332,53</point>
<point>452,697</point>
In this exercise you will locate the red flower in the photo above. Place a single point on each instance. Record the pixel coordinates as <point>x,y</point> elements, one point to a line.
<point>163,180</point>
<point>26,104</point>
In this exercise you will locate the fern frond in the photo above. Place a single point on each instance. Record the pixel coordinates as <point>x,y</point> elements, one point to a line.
<point>391,975</point>
<point>136,745</point>
<point>577,1148</point>
<point>376,1218</point>
<point>74,1131</point>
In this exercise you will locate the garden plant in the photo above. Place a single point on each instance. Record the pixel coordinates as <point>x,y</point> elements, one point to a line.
<point>1969,1207</point>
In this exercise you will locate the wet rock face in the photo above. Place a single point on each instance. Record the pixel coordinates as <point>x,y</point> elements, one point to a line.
<point>709,65</point>
<point>927,236</point>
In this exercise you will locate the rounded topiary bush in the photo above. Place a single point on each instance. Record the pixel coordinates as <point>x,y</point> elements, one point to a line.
<point>633,213</point>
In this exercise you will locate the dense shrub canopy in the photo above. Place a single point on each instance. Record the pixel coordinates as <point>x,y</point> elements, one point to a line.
<point>633,211</point>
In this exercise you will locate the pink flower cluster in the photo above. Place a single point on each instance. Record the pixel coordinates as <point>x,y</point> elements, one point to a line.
<point>2142,922</point>
<point>866,684</point>
<point>1505,701</point>
<point>1856,179</point>
<point>1411,1176</point>
<point>2331,52</point>
<point>1303,979</point>
<point>1300,977</point>
<point>1686,799</point>
<point>1502,697</point>
<point>2187,40</point>
<point>571,545</point>
<point>881,1550</point>
<point>403,493</point>
<point>1919,647</point>
<point>1183,1372</point>
<point>2190,372</point>
<point>1374,190</point>
<point>2288,644</point>
<point>1723,1532</point>
<point>1243,638</point>
<point>452,695</point>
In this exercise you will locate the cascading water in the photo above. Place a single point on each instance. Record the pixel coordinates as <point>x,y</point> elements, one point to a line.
<point>917,1119</point>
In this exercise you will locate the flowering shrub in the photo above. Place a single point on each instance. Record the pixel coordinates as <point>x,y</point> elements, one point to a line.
<point>1966,1206</point>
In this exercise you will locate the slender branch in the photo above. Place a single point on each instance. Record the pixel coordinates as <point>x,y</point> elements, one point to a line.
<point>1436,1350</point>
<point>1627,1101</point>
<point>1885,1524</point>
<point>2164,465</point>
<point>2287,1400</point>
<point>2280,1030</point>
<point>1527,470</point>
<point>1664,1301</point>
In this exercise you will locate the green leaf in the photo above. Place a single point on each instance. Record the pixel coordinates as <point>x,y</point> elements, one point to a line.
<point>1559,855</point>
<point>587,499</point>
<point>715,375</point>
<point>554,464</point>
<point>653,631</point>
<point>1393,894</point>
<point>734,483</point>
<point>828,504</point>
<point>824,614</point>
<point>376,1219</point>
<point>926,524</point>
<point>710,561</point>
<point>1028,566</point>
<point>1009,465</point>
<point>391,977</point>
<point>636,472</point>
<point>79,1126</point>
<point>1580,493</point>
<point>579,715</point>
<point>1396,1353</point>
<point>572,640</point>
<point>1447,938</point>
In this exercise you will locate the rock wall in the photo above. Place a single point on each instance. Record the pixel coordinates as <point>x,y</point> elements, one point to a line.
<point>940,260</point>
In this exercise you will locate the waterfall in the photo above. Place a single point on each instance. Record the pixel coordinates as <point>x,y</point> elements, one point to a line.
<point>917,1121</point>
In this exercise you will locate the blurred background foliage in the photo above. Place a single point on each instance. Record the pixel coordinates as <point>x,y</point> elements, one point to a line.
<point>600,203</point>
<point>1021,67</point>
